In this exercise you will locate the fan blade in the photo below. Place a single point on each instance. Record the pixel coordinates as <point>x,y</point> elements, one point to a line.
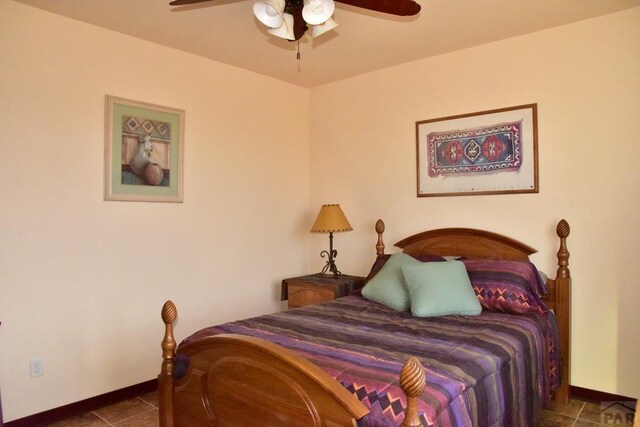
<point>183,2</point>
<point>393,7</point>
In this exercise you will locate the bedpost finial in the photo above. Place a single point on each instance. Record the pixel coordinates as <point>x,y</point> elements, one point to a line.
<point>412,381</point>
<point>563,229</point>
<point>412,378</point>
<point>169,312</point>
<point>380,243</point>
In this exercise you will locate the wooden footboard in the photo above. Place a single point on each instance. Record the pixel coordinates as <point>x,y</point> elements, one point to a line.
<point>237,380</point>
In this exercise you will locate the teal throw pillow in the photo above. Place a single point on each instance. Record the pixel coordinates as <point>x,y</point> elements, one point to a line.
<point>387,286</point>
<point>440,289</point>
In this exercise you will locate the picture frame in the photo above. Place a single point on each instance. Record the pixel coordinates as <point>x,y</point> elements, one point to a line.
<point>144,150</point>
<point>486,152</point>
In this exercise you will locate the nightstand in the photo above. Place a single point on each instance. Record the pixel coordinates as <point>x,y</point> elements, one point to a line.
<point>314,289</point>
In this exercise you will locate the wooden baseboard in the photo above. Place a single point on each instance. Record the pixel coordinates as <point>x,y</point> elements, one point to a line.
<point>596,396</point>
<point>83,406</point>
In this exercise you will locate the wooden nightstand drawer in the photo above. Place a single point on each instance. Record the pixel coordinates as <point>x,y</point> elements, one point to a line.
<point>301,295</point>
<point>314,289</point>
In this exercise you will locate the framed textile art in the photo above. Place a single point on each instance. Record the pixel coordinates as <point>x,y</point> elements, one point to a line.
<point>488,152</point>
<point>144,146</point>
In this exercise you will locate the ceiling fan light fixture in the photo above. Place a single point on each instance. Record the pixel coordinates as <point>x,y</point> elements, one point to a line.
<point>279,15</point>
<point>269,12</point>
<point>318,30</point>
<point>285,31</point>
<point>316,12</point>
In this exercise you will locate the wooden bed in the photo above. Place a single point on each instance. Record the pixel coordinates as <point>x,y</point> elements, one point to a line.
<point>225,382</point>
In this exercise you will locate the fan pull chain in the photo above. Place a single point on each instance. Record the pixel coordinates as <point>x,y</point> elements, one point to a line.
<point>298,55</point>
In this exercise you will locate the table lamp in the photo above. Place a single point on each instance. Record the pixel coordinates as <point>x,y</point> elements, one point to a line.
<point>330,220</point>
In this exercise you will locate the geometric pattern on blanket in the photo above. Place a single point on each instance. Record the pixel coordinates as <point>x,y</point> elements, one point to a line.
<point>502,295</point>
<point>486,370</point>
<point>507,286</point>
<point>382,400</point>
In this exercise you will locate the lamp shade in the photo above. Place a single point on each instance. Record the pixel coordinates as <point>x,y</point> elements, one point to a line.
<point>315,12</point>
<point>285,31</point>
<point>331,219</point>
<point>269,12</point>
<point>317,30</point>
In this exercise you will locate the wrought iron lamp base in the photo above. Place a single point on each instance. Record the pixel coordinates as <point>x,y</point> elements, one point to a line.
<point>331,264</point>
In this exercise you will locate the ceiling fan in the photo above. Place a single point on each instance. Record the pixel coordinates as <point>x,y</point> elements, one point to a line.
<point>289,18</point>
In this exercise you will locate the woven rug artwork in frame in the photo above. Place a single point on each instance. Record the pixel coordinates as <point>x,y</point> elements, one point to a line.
<point>489,152</point>
<point>485,149</point>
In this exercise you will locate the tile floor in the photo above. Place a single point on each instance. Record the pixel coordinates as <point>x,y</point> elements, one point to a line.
<point>142,411</point>
<point>575,414</point>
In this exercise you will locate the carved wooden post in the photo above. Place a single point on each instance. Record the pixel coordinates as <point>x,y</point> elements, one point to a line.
<point>563,310</point>
<point>563,230</point>
<point>165,379</point>
<point>412,381</point>
<point>380,244</point>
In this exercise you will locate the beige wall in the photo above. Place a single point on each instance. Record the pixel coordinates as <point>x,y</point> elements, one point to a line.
<point>585,79</point>
<point>82,280</point>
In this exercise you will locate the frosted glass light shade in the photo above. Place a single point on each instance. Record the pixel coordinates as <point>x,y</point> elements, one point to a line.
<point>316,12</point>
<point>285,31</point>
<point>269,12</point>
<point>317,30</point>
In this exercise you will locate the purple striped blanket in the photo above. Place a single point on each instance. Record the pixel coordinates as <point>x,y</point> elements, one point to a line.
<point>488,370</point>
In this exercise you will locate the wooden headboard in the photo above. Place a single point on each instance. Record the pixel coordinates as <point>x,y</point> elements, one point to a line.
<point>462,242</point>
<point>473,243</point>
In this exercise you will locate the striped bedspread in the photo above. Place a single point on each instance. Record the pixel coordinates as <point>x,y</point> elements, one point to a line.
<point>495,369</point>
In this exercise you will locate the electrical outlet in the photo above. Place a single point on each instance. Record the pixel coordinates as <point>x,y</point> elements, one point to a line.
<point>37,368</point>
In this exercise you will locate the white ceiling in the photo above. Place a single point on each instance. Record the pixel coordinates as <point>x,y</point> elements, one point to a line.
<point>226,31</point>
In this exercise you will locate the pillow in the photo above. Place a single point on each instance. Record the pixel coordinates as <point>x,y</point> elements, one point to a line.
<point>507,286</point>
<point>440,289</point>
<point>387,286</point>
<point>382,259</point>
<point>377,265</point>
